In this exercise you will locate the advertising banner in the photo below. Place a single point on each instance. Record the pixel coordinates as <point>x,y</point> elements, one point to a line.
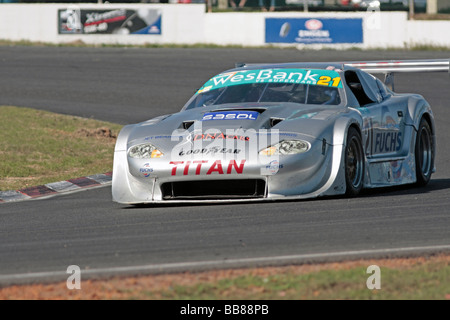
<point>314,31</point>
<point>75,20</point>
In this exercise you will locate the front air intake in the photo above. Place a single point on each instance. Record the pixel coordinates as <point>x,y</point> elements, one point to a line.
<point>214,189</point>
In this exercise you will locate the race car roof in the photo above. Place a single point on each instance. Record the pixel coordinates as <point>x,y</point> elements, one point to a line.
<point>299,65</point>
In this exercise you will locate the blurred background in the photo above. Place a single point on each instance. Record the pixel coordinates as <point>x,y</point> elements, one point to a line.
<point>415,6</point>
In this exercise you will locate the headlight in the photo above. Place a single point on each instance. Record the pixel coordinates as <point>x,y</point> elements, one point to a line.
<point>144,151</point>
<point>286,147</point>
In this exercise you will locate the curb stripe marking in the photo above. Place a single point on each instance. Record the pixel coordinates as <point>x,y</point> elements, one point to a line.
<point>55,188</point>
<point>83,182</point>
<point>62,186</point>
<point>37,191</point>
<point>13,196</point>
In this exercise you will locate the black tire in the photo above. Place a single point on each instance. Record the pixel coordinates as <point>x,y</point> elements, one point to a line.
<point>424,153</point>
<point>354,163</point>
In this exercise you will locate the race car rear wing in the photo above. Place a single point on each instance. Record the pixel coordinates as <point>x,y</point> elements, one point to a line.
<point>388,68</point>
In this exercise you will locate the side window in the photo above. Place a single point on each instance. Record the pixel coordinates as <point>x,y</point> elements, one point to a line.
<point>323,95</point>
<point>353,82</point>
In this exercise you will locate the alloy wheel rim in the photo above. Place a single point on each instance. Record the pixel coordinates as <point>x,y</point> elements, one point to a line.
<point>354,162</point>
<point>425,151</point>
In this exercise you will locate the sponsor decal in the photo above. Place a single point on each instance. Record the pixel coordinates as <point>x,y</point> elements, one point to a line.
<point>231,115</point>
<point>146,170</point>
<point>320,77</point>
<point>234,144</point>
<point>273,167</point>
<point>197,167</point>
<point>396,169</point>
<point>279,134</point>
<point>389,141</point>
<point>217,136</point>
<point>213,150</point>
<point>75,20</point>
<point>70,20</point>
<point>205,89</point>
<point>173,137</point>
<point>313,24</point>
<point>314,31</point>
<point>386,118</point>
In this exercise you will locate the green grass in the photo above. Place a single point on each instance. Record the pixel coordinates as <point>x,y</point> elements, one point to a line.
<point>38,147</point>
<point>415,283</point>
<point>416,278</point>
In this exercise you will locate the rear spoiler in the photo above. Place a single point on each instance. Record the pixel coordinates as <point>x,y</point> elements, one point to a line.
<point>388,68</point>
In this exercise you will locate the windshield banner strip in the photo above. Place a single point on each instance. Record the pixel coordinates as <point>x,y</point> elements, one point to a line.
<point>327,78</point>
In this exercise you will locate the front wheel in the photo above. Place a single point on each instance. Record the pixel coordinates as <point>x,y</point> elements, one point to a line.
<point>424,153</point>
<point>354,163</point>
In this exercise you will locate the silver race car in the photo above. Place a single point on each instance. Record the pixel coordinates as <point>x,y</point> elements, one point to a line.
<point>282,131</point>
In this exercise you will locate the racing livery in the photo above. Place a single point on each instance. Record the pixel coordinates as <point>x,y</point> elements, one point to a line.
<point>281,131</point>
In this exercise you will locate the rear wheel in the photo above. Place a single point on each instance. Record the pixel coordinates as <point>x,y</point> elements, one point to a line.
<point>354,163</point>
<point>424,153</point>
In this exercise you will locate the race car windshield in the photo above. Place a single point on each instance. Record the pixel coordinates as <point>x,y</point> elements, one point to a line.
<point>268,92</point>
<point>305,86</point>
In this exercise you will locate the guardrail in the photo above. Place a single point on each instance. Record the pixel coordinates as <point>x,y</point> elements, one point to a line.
<point>388,68</point>
<point>430,65</point>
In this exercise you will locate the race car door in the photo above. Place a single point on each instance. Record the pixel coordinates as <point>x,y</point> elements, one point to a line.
<point>384,126</point>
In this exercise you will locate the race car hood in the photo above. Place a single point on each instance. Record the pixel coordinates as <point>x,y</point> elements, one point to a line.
<point>308,120</point>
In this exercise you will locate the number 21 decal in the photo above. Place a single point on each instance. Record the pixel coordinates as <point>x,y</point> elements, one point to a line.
<point>328,81</point>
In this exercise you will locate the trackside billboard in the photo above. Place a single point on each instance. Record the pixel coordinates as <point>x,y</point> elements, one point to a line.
<point>313,30</point>
<point>74,20</point>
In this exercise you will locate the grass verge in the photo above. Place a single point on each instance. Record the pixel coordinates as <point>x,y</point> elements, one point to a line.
<point>424,278</point>
<point>38,147</point>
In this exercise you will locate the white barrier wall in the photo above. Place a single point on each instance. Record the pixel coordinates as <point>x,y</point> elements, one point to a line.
<point>191,24</point>
<point>427,32</point>
<point>180,24</point>
<point>380,29</point>
<point>235,29</point>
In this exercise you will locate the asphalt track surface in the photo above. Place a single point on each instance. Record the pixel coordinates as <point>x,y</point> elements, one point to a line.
<point>39,239</point>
